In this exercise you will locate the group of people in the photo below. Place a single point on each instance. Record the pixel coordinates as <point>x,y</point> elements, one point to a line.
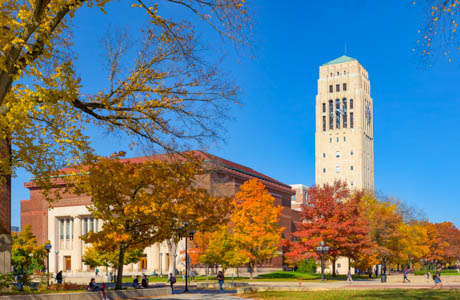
<point>144,283</point>
<point>220,279</point>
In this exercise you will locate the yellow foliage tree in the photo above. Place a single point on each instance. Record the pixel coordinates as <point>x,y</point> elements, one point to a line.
<point>144,203</point>
<point>254,221</point>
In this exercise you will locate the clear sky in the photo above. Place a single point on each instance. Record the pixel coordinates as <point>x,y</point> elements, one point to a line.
<point>416,110</point>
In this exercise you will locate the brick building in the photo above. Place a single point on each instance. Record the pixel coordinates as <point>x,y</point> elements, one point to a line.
<point>69,217</point>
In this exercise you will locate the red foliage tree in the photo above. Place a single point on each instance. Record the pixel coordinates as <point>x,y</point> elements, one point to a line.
<point>333,216</point>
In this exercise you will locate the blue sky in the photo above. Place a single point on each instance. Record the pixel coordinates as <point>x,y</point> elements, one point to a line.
<point>415,109</point>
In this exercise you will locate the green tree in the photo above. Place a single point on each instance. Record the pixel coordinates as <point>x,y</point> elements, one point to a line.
<point>27,255</point>
<point>97,257</point>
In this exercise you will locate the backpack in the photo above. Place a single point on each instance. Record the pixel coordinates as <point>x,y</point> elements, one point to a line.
<point>173,279</point>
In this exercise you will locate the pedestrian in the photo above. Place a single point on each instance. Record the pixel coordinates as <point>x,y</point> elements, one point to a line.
<point>97,271</point>
<point>437,278</point>
<point>349,278</point>
<point>406,271</point>
<point>111,276</point>
<point>172,281</point>
<point>428,274</point>
<point>376,271</point>
<point>92,286</point>
<point>220,279</point>
<point>59,277</point>
<point>183,276</point>
<point>145,282</point>
<point>136,283</point>
<point>103,292</point>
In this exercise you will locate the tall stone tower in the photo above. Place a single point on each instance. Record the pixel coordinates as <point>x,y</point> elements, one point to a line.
<point>344,132</point>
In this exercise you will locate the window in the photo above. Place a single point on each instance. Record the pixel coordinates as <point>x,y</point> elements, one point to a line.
<point>324,170</point>
<point>338,265</point>
<point>324,123</point>
<point>96,228</point>
<point>338,73</point>
<point>351,120</point>
<point>337,87</point>
<point>351,183</point>
<point>351,103</point>
<point>331,89</point>
<point>85,225</point>
<point>62,230</point>
<point>331,114</point>
<point>324,155</point>
<point>337,140</point>
<point>351,168</point>
<point>344,87</point>
<point>344,139</point>
<point>337,169</point>
<point>324,107</point>
<point>351,153</point>
<point>344,111</point>
<point>337,113</point>
<point>67,233</point>
<point>331,74</point>
<point>330,140</point>
<point>337,154</point>
<point>91,224</point>
<point>345,72</point>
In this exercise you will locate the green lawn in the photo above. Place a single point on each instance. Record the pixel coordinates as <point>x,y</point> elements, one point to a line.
<point>362,295</point>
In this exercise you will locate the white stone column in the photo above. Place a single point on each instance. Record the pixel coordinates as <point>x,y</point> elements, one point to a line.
<point>156,257</point>
<point>77,245</point>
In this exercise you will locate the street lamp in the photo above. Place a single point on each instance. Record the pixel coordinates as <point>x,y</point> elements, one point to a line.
<point>48,248</point>
<point>322,250</point>
<point>187,235</point>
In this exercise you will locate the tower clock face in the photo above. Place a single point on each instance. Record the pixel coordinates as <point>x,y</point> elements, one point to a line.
<point>368,114</point>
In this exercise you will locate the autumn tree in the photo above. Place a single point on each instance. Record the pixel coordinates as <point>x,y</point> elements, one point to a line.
<point>27,256</point>
<point>439,31</point>
<point>97,257</point>
<point>254,221</point>
<point>169,94</point>
<point>141,203</point>
<point>333,217</point>
<point>384,224</point>
<point>450,234</point>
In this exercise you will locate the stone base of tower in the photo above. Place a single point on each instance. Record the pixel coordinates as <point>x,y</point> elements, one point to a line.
<point>5,253</point>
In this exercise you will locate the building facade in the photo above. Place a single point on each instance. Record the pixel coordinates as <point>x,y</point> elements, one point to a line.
<point>69,218</point>
<point>344,136</point>
<point>300,197</point>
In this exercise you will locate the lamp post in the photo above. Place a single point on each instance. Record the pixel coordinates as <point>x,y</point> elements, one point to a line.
<point>187,234</point>
<point>322,250</point>
<point>48,248</point>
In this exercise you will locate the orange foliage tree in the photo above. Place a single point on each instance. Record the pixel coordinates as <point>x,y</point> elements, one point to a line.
<point>333,217</point>
<point>144,203</point>
<point>254,221</point>
<point>450,234</point>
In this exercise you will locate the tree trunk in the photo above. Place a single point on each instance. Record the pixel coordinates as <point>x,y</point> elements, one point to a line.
<point>251,270</point>
<point>333,267</point>
<point>172,249</point>
<point>121,259</point>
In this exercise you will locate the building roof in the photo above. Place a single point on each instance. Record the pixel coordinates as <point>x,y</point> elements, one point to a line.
<point>339,60</point>
<point>243,170</point>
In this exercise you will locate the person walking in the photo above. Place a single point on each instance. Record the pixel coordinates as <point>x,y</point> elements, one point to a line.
<point>111,276</point>
<point>172,281</point>
<point>406,271</point>
<point>220,279</point>
<point>437,278</point>
<point>349,278</point>
<point>97,272</point>
<point>59,277</point>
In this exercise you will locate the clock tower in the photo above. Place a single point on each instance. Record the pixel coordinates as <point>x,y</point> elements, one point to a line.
<point>344,137</point>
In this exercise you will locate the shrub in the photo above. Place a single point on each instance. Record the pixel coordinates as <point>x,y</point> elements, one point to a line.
<point>307,266</point>
<point>6,280</point>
